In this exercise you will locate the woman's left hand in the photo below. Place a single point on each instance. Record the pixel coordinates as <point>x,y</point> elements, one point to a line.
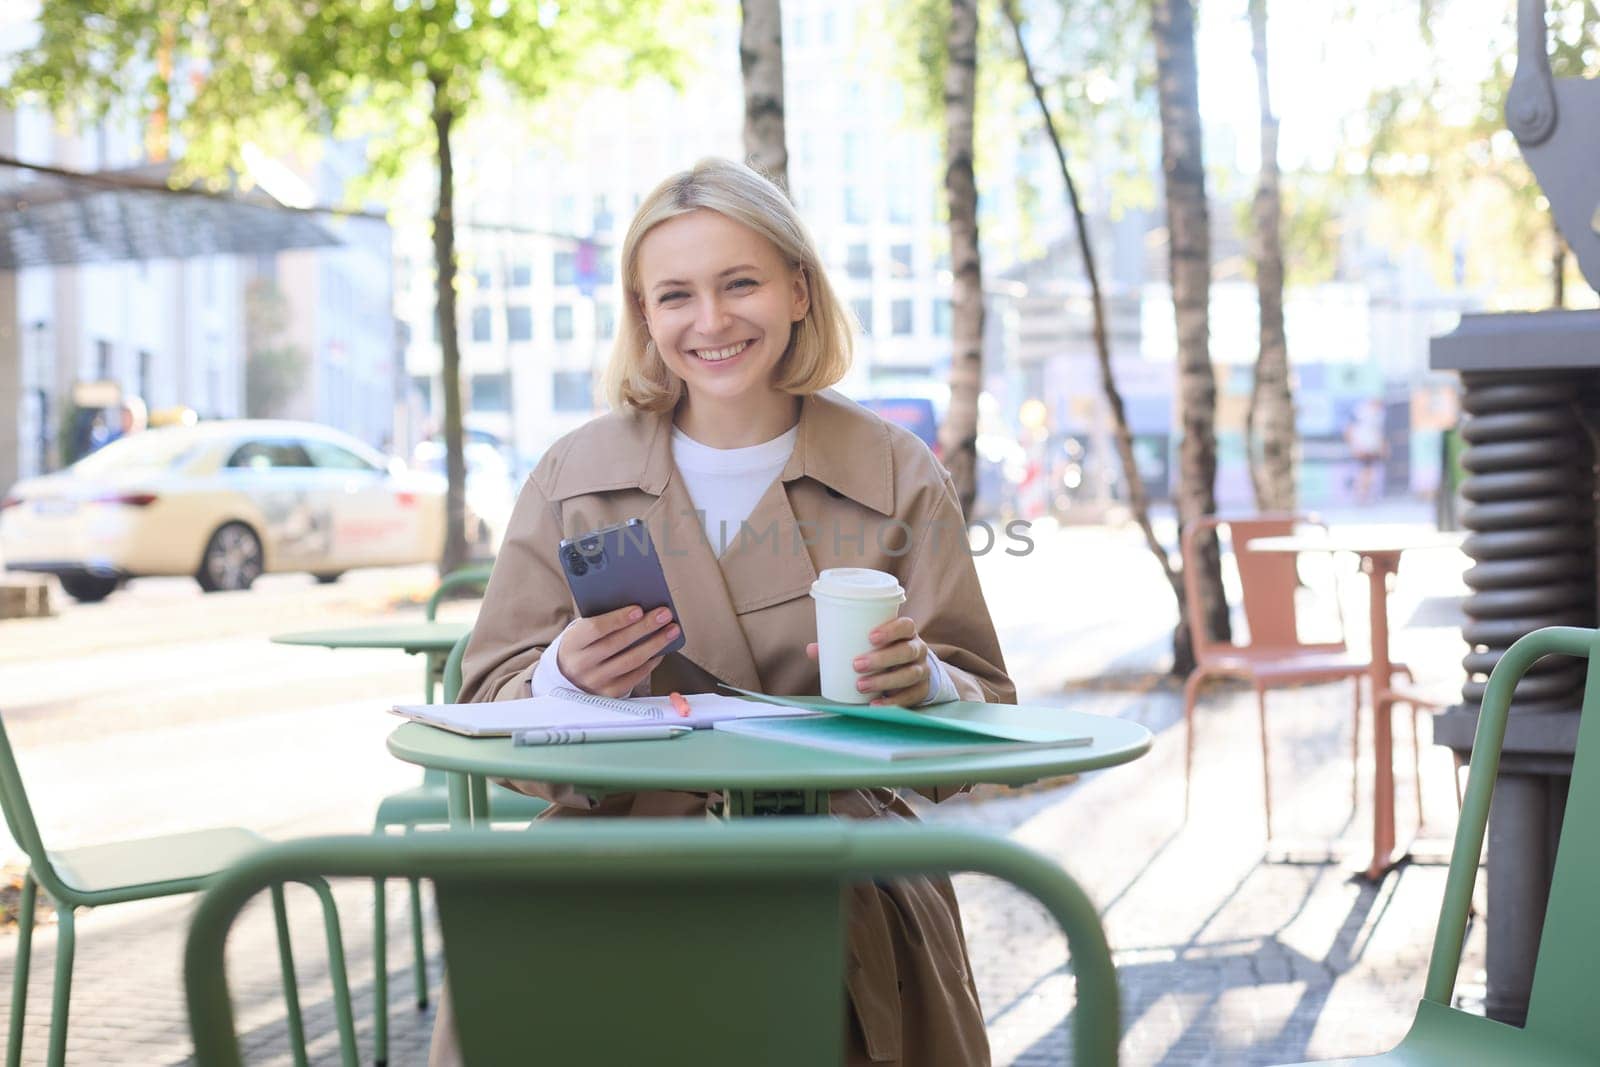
<point>896,670</point>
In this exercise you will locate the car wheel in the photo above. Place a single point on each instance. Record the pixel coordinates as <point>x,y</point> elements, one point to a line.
<point>232,559</point>
<point>328,577</point>
<point>87,588</point>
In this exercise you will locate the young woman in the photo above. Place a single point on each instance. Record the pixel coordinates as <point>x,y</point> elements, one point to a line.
<point>752,477</point>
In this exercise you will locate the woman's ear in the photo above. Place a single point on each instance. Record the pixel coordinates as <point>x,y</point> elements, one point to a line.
<point>801,303</point>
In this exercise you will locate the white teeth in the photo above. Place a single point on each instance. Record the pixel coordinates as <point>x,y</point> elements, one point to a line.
<point>717,355</point>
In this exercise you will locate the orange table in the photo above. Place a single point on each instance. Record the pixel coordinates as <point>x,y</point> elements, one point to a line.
<point>1379,551</point>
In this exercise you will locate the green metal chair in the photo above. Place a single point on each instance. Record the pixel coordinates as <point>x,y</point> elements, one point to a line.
<point>1563,1028</point>
<point>141,870</point>
<point>428,804</point>
<point>652,941</point>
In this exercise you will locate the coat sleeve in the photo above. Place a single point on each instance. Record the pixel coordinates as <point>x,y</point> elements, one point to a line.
<point>525,607</point>
<point>943,595</point>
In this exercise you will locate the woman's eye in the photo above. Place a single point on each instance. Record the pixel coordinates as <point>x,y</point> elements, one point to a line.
<point>667,298</point>
<point>743,283</point>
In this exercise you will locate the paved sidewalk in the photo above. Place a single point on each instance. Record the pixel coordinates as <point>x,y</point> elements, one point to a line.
<point>1225,954</point>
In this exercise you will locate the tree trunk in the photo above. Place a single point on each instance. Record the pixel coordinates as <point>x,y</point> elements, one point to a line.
<point>761,60</point>
<point>1270,435</point>
<point>444,261</point>
<point>1558,272</point>
<point>1138,502</point>
<point>1189,256</point>
<point>958,436</point>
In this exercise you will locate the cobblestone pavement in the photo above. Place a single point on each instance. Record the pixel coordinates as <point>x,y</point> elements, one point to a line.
<point>1228,952</point>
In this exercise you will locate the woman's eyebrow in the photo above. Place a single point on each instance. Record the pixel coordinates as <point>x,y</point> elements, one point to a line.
<point>679,281</point>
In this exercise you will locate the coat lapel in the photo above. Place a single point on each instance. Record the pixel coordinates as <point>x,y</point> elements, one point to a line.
<point>713,638</point>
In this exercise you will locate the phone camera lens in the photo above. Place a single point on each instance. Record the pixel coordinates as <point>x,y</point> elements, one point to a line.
<point>576,564</point>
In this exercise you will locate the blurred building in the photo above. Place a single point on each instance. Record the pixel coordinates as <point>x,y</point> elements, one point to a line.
<point>543,202</point>
<point>112,286</point>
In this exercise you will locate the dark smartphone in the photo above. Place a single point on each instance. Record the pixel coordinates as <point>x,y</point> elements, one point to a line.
<point>613,567</point>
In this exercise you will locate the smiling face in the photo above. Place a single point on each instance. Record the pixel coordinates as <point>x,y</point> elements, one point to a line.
<point>720,302</point>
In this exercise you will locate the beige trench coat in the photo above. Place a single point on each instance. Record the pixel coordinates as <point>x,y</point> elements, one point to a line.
<point>856,492</point>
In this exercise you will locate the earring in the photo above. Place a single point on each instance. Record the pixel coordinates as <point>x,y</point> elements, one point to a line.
<point>650,349</point>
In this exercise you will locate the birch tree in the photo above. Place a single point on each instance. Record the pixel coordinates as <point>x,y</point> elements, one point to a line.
<point>958,435</point>
<point>1189,266</point>
<point>761,62</point>
<point>1270,437</point>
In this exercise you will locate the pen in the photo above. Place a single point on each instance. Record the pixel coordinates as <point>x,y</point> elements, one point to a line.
<point>602,733</point>
<point>681,703</point>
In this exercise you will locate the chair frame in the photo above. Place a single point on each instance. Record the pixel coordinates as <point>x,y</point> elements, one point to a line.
<point>676,861</point>
<point>66,898</point>
<point>426,805</point>
<point>1562,1029</point>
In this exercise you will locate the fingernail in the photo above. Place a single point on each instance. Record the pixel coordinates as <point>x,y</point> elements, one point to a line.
<point>864,686</point>
<point>671,631</point>
<point>663,615</point>
<point>636,614</point>
<point>860,663</point>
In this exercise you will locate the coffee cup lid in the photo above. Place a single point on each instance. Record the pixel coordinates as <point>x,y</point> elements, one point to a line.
<point>857,583</point>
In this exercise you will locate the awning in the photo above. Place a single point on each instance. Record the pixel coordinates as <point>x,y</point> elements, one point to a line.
<point>52,217</point>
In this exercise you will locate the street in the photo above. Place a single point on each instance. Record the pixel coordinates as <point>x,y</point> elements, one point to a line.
<point>163,709</point>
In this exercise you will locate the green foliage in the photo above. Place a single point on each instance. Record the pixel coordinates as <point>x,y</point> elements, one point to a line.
<point>1446,172</point>
<point>280,73</point>
<point>1315,218</point>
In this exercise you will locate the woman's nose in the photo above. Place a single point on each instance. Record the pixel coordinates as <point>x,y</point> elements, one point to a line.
<point>710,316</point>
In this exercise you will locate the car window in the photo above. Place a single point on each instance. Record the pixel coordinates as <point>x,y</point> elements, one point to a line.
<point>151,450</point>
<point>329,456</point>
<point>265,455</point>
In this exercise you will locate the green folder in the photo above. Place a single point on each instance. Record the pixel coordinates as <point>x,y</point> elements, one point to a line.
<point>1013,722</point>
<point>882,740</point>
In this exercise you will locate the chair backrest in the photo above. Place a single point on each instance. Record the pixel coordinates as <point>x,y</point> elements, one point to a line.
<point>19,817</point>
<point>476,575</point>
<point>650,941</point>
<point>452,668</point>
<point>1561,1007</point>
<point>1267,580</point>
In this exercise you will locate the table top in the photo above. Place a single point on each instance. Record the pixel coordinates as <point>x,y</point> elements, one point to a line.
<point>412,637</point>
<point>709,760</point>
<point>1366,541</point>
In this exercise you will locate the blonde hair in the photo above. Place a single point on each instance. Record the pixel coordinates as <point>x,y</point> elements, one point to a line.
<point>820,344</point>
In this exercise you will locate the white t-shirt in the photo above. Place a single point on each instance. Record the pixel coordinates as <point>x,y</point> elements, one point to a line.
<point>725,484</point>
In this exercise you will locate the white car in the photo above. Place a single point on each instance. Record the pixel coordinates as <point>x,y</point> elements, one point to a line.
<point>225,502</point>
<point>491,492</point>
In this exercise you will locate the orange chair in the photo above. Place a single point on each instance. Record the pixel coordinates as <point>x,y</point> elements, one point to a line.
<point>1275,656</point>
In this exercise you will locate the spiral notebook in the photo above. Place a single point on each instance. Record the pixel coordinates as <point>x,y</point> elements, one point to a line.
<point>573,709</point>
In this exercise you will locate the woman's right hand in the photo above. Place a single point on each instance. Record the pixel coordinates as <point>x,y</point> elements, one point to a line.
<point>595,655</point>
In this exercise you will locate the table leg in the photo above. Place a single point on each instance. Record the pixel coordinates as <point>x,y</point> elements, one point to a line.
<point>478,793</point>
<point>460,800</point>
<point>1379,567</point>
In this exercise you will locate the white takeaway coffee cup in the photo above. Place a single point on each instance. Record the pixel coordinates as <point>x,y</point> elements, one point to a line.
<point>851,601</point>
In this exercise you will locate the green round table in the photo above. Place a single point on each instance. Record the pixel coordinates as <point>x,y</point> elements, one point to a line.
<point>756,774</point>
<point>432,639</point>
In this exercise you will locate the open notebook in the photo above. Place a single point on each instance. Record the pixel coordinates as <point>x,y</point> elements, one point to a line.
<point>572,709</point>
<point>1038,724</point>
<point>884,740</point>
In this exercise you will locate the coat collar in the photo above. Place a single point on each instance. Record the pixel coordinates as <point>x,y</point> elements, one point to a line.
<point>840,444</point>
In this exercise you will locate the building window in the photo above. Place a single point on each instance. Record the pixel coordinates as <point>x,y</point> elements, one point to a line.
<point>853,154</point>
<point>858,262</point>
<point>855,204</point>
<point>900,261</point>
<point>491,392</point>
<point>571,390</point>
<point>605,267</point>
<point>102,360</point>
<point>521,275</point>
<point>605,321</point>
<point>563,322</point>
<point>482,323</point>
<point>863,312</point>
<point>900,203</point>
<point>422,386</point>
<point>483,277</point>
<point>145,360</point>
<point>519,323</point>
<point>941,317</point>
<point>566,268</point>
<point>900,317</point>
<point>603,219</point>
